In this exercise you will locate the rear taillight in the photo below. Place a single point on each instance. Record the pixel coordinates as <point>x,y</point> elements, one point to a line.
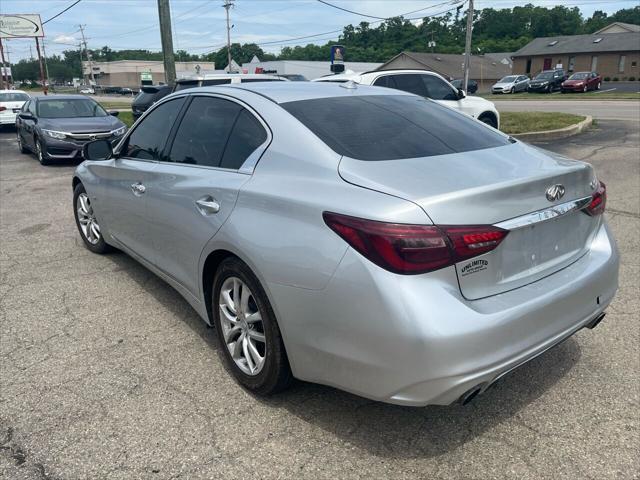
<point>598,201</point>
<point>2,109</point>
<point>413,249</point>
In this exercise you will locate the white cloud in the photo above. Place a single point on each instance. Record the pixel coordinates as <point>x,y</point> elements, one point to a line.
<point>65,39</point>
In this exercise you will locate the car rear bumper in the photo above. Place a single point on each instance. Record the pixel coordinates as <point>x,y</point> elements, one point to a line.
<point>8,118</point>
<point>414,340</point>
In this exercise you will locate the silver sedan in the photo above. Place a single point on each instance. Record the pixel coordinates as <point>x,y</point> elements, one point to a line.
<point>354,236</point>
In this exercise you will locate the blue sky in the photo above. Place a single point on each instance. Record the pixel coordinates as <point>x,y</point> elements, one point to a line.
<point>199,25</point>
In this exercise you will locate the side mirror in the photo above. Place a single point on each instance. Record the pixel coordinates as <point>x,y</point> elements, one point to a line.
<point>26,116</point>
<point>461,94</point>
<point>97,150</point>
<point>113,113</point>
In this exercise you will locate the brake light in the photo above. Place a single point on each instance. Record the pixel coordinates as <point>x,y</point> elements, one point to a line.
<point>414,249</point>
<point>2,109</point>
<point>598,201</point>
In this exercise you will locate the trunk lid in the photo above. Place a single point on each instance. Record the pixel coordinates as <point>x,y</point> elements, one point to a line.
<point>493,186</point>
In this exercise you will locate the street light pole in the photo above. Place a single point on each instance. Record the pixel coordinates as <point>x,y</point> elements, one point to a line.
<point>166,38</point>
<point>227,5</point>
<point>467,46</point>
<point>86,52</point>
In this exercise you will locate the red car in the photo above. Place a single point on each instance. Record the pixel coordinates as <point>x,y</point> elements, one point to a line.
<point>582,82</point>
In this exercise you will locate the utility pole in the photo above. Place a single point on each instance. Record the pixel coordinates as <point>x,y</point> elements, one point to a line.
<point>227,5</point>
<point>2,69</point>
<point>467,46</point>
<point>46,67</point>
<point>164,12</point>
<point>30,53</point>
<point>86,52</point>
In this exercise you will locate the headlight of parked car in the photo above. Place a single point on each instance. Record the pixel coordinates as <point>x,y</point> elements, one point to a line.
<point>120,131</point>
<point>54,134</point>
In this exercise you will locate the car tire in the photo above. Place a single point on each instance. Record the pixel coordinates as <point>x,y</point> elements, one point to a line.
<point>598,86</point>
<point>40,152</point>
<point>584,89</point>
<point>21,146</point>
<point>86,220</point>
<point>488,119</point>
<point>240,339</point>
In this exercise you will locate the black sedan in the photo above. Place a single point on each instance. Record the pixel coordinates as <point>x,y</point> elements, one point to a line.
<point>472,85</point>
<point>149,94</point>
<point>547,81</point>
<point>57,127</point>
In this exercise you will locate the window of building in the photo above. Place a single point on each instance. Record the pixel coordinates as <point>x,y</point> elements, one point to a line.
<point>621,61</point>
<point>594,63</point>
<point>528,70</point>
<point>572,62</point>
<point>634,64</point>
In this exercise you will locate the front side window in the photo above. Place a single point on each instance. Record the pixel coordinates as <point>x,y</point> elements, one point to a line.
<point>204,131</point>
<point>147,140</point>
<point>438,89</point>
<point>390,127</point>
<point>70,108</point>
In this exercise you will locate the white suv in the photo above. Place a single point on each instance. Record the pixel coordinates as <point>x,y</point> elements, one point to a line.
<point>426,84</point>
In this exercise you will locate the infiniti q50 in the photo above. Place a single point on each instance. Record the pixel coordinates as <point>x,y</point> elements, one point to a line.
<point>355,236</point>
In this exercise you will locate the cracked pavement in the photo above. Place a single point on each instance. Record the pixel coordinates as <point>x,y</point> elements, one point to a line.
<point>106,372</point>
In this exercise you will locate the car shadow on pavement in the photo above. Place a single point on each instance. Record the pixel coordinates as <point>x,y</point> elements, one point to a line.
<point>386,430</point>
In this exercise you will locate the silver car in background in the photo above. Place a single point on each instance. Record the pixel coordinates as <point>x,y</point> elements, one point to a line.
<point>511,84</point>
<point>355,236</point>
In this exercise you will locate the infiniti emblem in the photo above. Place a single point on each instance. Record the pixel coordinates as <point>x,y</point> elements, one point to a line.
<point>92,137</point>
<point>555,192</point>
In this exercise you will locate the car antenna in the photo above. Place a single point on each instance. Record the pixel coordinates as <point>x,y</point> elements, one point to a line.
<point>350,84</point>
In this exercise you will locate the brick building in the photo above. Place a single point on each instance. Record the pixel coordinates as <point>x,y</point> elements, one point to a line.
<point>613,52</point>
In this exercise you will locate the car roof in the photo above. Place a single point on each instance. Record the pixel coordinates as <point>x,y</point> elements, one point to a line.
<point>13,91</point>
<point>217,76</point>
<point>282,92</point>
<point>60,97</point>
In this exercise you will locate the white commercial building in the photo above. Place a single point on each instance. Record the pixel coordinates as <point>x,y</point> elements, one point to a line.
<point>310,69</point>
<point>130,73</point>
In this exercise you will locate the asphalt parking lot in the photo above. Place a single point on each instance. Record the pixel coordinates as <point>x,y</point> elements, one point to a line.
<point>106,372</point>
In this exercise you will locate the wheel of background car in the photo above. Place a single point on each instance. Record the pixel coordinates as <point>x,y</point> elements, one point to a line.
<point>87,222</point>
<point>585,88</point>
<point>488,119</point>
<point>40,152</point>
<point>21,146</point>
<point>251,344</point>
<point>598,86</point>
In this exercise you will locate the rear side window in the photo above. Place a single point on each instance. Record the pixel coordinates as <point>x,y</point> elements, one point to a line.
<point>148,139</point>
<point>388,127</point>
<point>385,81</point>
<point>204,131</point>
<point>247,135</point>
<point>411,83</point>
<point>187,84</point>
<point>216,81</point>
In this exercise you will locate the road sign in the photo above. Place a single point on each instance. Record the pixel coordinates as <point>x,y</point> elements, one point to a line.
<point>146,77</point>
<point>20,26</point>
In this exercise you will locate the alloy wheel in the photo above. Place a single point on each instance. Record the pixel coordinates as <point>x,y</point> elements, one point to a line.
<point>242,326</point>
<point>87,219</point>
<point>39,151</point>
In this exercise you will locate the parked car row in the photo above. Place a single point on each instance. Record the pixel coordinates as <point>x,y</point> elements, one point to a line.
<point>549,81</point>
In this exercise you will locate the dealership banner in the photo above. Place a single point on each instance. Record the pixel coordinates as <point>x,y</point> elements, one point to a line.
<point>20,26</point>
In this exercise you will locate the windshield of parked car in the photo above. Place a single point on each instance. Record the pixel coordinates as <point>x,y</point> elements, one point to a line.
<point>70,108</point>
<point>579,76</point>
<point>389,127</point>
<point>508,79</point>
<point>544,76</point>
<point>13,97</point>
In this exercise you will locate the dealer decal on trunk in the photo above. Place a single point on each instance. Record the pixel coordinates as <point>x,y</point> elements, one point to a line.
<point>473,267</point>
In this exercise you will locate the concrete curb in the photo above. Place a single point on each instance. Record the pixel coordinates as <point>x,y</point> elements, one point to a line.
<point>555,134</point>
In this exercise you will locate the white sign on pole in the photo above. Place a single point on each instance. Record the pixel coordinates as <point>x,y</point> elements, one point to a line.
<point>20,26</point>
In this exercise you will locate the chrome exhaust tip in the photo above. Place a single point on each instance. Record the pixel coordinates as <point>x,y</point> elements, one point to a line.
<point>470,394</point>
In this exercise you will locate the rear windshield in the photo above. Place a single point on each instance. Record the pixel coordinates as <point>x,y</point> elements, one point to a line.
<point>144,97</point>
<point>14,97</point>
<point>388,127</point>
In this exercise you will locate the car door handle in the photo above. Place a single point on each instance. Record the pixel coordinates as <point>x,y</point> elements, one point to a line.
<point>138,188</point>
<point>208,205</point>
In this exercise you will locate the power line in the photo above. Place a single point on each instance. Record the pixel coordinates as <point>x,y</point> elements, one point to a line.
<point>387,18</point>
<point>60,13</point>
